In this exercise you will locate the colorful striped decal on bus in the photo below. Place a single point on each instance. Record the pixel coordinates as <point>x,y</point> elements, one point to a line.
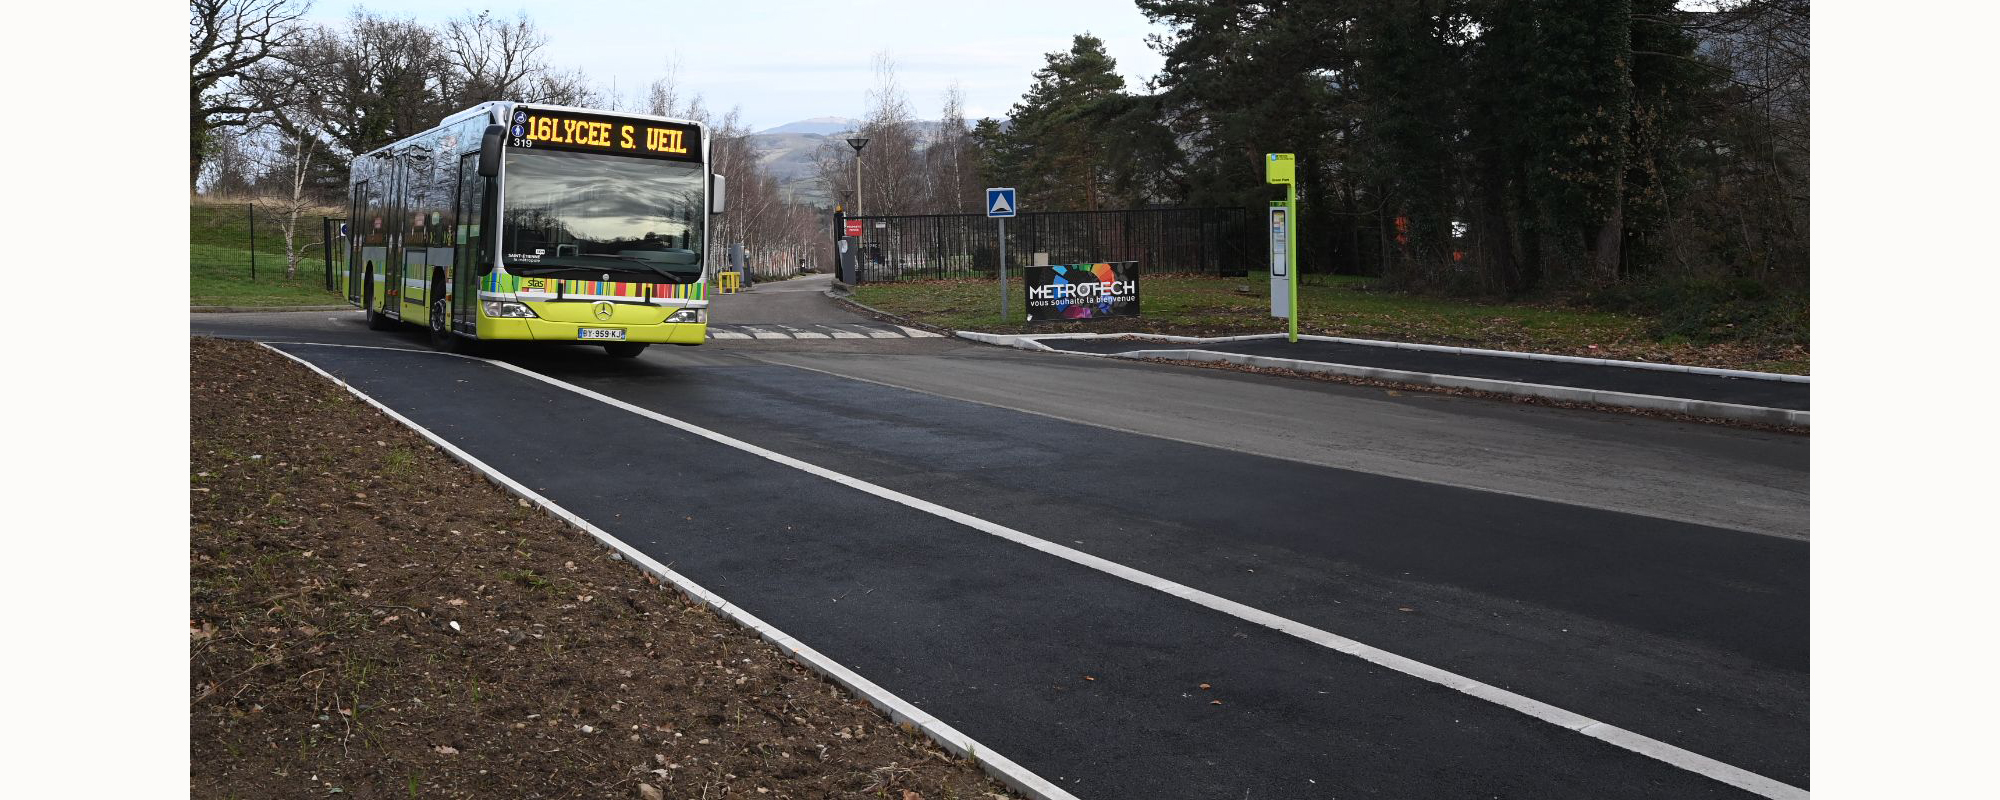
<point>497,282</point>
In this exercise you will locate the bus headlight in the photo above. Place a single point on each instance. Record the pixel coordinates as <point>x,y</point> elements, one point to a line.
<point>507,309</point>
<point>689,315</point>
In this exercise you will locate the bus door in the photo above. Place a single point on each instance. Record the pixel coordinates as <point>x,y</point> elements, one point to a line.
<point>392,262</point>
<point>353,231</point>
<point>468,239</point>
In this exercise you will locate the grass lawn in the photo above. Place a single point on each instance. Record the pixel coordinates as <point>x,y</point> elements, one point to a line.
<point>1197,305</point>
<point>219,256</point>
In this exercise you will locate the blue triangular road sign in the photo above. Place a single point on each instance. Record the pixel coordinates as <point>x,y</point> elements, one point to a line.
<point>999,202</point>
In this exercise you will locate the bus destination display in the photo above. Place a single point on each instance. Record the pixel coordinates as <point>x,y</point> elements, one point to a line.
<point>564,130</point>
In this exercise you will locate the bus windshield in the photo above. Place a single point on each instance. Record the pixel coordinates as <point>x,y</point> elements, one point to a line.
<point>586,213</point>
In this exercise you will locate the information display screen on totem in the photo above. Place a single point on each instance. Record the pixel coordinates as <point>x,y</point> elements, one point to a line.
<point>1083,291</point>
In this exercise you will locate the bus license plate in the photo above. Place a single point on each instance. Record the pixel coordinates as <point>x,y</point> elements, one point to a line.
<point>616,334</point>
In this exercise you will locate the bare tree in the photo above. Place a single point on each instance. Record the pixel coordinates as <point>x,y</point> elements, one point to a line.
<point>951,170</point>
<point>226,38</point>
<point>664,98</point>
<point>227,171</point>
<point>892,171</point>
<point>376,81</point>
<point>492,58</point>
<point>568,88</point>
<point>286,201</point>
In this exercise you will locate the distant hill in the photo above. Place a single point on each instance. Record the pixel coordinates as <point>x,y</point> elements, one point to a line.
<point>787,152</point>
<point>789,158</point>
<point>817,125</point>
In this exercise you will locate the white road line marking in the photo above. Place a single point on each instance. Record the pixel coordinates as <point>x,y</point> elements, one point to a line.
<point>881,332</point>
<point>917,333</point>
<point>900,710</point>
<point>714,333</point>
<point>1611,734</point>
<point>801,333</point>
<point>840,334</point>
<point>760,333</point>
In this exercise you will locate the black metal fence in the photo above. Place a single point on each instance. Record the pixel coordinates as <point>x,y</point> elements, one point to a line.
<point>334,244</point>
<point>246,241</point>
<point>1215,241</point>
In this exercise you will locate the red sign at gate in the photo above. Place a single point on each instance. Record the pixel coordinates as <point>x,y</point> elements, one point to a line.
<point>854,229</point>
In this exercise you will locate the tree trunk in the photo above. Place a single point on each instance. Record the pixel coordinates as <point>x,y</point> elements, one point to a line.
<point>1610,245</point>
<point>195,142</point>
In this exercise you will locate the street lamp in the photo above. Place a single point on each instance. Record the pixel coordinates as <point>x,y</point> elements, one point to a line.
<point>857,142</point>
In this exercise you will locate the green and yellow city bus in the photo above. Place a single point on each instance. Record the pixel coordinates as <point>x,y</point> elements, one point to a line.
<point>514,221</point>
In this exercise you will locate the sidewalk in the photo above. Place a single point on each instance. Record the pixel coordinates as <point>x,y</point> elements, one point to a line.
<point>1731,394</point>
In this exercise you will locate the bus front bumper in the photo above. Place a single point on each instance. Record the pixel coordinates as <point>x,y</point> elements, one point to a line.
<point>542,330</point>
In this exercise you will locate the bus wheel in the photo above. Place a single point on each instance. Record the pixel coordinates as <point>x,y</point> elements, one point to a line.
<point>441,336</point>
<point>625,349</point>
<point>377,321</point>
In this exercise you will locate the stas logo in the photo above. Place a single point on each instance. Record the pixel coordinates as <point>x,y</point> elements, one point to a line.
<point>590,132</point>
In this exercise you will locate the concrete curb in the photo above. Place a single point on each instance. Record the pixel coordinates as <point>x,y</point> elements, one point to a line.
<point>1439,348</point>
<point>1694,408</point>
<point>1023,342</point>
<point>265,309</point>
<point>1015,776</point>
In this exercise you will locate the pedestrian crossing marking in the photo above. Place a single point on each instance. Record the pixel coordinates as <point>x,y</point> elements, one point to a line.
<point>850,330</point>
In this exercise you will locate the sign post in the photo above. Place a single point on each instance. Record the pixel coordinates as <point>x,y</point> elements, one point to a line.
<point>1281,168</point>
<point>1000,205</point>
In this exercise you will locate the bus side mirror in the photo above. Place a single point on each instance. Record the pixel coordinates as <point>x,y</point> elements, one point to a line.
<point>718,187</point>
<point>489,151</point>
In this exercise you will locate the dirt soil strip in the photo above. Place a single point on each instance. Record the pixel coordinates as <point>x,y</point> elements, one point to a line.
<point>370,618</point>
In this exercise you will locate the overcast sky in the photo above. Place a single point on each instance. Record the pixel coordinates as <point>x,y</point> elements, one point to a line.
<point>782,60</point>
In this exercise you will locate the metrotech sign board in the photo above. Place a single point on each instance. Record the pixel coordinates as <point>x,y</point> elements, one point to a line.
<point>598,133</point>
<point>1083,291</point>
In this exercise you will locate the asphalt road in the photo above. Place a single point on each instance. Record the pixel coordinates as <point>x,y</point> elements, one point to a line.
<point>1534,549</point>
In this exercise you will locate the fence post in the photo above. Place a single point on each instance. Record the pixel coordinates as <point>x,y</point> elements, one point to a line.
<point>250,210</point>
<point>326,248</point>
<point>1201,239</point>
